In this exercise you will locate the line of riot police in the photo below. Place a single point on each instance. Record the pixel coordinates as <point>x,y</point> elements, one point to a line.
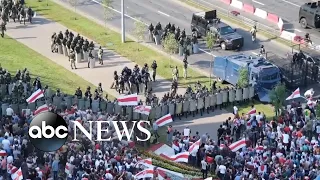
<point>15,9</point>
<point>134,80</point>
<point>76,48</point>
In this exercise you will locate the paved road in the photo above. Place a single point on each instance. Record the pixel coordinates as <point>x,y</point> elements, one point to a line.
<point>165,11</point>
<point>288,10</point>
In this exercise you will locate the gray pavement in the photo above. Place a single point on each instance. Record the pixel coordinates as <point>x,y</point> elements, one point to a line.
<point>37,36</point>
<point>165,11</point>
<point>288,10</point>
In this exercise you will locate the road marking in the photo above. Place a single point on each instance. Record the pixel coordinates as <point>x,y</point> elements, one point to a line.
<point>164,13</point>
<point>254,53</point>
<point>258,2</point>
<point>298,30</point>
<point>135,19</point>
<point>293,4</point>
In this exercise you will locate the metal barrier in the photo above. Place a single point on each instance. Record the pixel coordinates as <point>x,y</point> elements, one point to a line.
<point>176,107</point>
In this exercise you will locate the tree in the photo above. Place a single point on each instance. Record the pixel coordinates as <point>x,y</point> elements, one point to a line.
<point>243,80</point>
<point>140,30</point>
<point>277,97</point>
<point>170,44</point>
<point>107,10</point>
<point>210,41</point>
<point>74,4</point>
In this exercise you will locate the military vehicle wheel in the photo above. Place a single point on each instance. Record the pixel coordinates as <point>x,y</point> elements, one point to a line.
<point>223,46</point>
<point>303,23</point>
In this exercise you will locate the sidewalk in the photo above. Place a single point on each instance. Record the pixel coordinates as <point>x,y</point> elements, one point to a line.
<point>37,36</point>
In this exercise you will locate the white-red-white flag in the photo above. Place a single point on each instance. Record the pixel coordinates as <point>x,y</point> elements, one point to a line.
<point>252,112</point>
<point>43,108</point>
<point>3,153</point>
<point>147,173</point>
<point>294,95</point>
<point>194,147</point>
<point>237,145</point>
<point>164,120</point>
<point>67,169</point>
<point>17,175</point>
<point>34,96</point>
<point>142,109</point>
<point>180,157</point>
<point>145,162</point>
<point>129,100</point>
<point>175,146</point>
<point>262,169</point>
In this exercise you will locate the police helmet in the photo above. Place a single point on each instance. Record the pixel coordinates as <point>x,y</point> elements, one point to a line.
<point>58,90</point>
<point>262,46</point>
<point>99,84</point>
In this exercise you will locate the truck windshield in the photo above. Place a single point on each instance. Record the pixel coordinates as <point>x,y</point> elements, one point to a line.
<point>226,30</point>
<point>270,77</point>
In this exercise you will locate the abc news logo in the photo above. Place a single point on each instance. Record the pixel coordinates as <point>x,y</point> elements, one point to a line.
<point>48,131</point>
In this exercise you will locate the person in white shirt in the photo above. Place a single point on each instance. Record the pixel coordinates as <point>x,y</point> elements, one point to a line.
<point>9,112</point>
<point>204,169</point>
<point>6,143</point>
<point>222,169</point>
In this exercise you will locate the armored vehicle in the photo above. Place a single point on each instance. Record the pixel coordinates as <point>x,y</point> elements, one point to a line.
<point>262,74</point>
<point>227,37</point>
<point>309,15</point>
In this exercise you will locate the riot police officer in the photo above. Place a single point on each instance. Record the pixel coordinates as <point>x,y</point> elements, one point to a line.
<point>100,90</point>
<point>175,74</point>
<point>185,67</point>
<point>22,16</point>
<point>100,54</point>
<point>154,67</point>
<point>174,87</point>
<point>78,93</point>
<point>29,15</point>
<point>72,59</point>
<point>3,28</point>
<point>115,80</point>
<point>146,80</point>
<point>262,50</point>
<point>121,85</point>
<point>88,94</point>
<point>253,32</point>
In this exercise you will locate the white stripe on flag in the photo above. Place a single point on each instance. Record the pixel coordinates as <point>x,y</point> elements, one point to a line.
<point>43,108</point>
<point>129,100</point>
<point>34,96</point>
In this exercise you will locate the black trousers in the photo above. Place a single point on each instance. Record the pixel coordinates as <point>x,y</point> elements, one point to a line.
<point>204,173</point>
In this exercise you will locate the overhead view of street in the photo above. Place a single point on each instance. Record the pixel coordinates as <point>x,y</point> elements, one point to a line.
<point>159,89</point>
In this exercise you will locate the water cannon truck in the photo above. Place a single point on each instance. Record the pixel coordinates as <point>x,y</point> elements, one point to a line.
<point>262,74</point>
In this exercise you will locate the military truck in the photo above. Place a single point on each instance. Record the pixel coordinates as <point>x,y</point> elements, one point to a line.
<point>262,75</point>
<point>309,15</point>
<point>227,37</point>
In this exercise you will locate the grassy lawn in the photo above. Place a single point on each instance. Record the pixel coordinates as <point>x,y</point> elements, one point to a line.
<point>15,55</point>
<point>106,36</point>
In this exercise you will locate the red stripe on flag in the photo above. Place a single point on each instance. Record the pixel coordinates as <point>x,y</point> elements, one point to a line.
<point>35,97</point>
<point>163,119</point>
<point>128,99</point>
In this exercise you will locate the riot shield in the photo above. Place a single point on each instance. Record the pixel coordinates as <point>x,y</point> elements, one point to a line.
<point>232,95</point>
<point>193,105</point>
<point>225,96</point>
<point>213,100</point>
<point>239,94</point>
<point>164,110</point>
<point>245,93</point>
<point>4,107</point>
<point>32,106</point>
<point>251,92</point>
<point>10,86</point>
<point>171,107</point>
<point>87,103</point>
<point>110,107</point>
<point>129,112</point>
<point>144,117</point>
<point>141,88</point>
<point>219,98</point>
<point>25,87</point>
<point>68,101</point>
<point>3,90</point>
<point>23,106</point>
<point>117,108</point>
<point>178,108</point>
<point>158,112</point>
<point>48,93</point>
<point>56,101</point>
<point>40,102</point>
<point>15,108</point>
<point>133,88</point>
<point>149,86</point>
<point>206,102</point>
<point>81,103</point>
<point>200,103</point>
<point>136,116</point>
<point>152,114</point>
<point>95,105</point>
<point>186,106</point>
<point>103,105</point>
